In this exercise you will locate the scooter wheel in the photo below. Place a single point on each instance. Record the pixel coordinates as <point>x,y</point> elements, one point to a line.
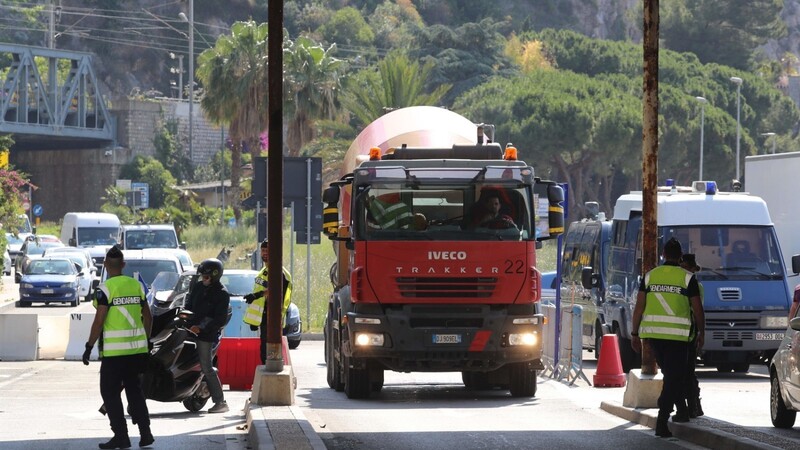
<point>195,403</point>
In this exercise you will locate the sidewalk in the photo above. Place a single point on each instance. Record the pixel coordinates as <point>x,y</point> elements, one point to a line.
<point>9,291</point>
<point>704,431</point>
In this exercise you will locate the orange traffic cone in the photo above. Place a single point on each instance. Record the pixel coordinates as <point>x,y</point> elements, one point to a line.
<point>609,366</point>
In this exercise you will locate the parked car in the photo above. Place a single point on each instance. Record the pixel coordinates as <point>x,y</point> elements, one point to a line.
<point>83,258</point>
<point>15,245</point>
<point>50,280</point>
<point>6,263</point>
<point>784,377</point>
<point>32,248</point>
<point>147,264</point>
<point>238,283</point>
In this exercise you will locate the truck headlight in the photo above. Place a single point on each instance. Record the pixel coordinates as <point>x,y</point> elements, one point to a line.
<point>369,340</point>
<point>527,339</point>
<point>774,322</point>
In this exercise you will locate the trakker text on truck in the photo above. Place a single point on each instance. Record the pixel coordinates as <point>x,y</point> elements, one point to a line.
<point>435,230</point>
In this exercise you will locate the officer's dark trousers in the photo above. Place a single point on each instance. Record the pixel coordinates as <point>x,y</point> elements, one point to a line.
<point>123,371</point>
<point>692,384</point>
<point>263,347</point>
<point>672,357</point>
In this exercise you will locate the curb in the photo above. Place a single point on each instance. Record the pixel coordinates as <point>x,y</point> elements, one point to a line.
<point>705,436</point>
<point>280,428</point>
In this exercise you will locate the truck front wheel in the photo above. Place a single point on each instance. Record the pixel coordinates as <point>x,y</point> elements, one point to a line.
<point>356,380</point>
<point>521,380</point>
<point>334,373</point>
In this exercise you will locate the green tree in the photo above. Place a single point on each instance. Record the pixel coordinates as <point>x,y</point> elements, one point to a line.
<point>170,152</point>
<point>234,74</point>
<point>347,27</point>
<point>721,31</point>
<point>463,57</point>
<point>399,82</point>
<point>144,169</point>
<point>311,81</point>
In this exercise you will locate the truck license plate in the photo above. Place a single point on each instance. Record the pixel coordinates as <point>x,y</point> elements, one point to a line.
<point>769,336</point>
<point>47,291</point>
<point>446,338</point>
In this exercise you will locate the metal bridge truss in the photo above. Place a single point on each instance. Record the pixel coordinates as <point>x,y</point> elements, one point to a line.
<point>40,107</point>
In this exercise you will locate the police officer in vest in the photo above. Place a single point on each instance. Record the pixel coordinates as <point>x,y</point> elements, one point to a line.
<point>668,297</point>
<point>210,302</point>
<point>122,322</point>
<point>256,313</point>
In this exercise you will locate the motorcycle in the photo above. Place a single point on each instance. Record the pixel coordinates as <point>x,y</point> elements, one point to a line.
<point>173,372</point>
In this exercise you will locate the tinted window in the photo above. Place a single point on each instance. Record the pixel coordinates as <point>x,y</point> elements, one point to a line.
<point>148,269</point>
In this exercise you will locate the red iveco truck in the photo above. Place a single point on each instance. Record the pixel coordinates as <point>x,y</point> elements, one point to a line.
<point>424,279</point>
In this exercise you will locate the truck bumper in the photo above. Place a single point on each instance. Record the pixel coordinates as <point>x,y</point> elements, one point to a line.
<point>445,338</point>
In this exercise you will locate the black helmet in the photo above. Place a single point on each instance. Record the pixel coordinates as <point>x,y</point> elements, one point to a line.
<point>212,267</point>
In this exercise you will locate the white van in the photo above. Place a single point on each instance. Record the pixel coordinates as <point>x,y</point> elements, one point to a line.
<point>94,231</point>
<point>138,237</point>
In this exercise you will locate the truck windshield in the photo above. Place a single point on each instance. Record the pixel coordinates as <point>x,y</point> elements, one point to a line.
<point>730,251</point>
<point>97,236</point>
<point>477,211</point>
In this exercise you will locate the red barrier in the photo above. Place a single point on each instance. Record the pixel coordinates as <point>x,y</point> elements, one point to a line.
<point>238,358</point>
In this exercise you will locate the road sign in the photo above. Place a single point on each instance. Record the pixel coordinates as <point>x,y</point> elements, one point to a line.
<point>143,200</point>
<point>26,206</point>
<point>37,210</point>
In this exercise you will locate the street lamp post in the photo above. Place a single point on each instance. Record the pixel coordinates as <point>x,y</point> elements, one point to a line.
<point>774,139</point>
<point>738,82</point>
<point>703,102</point>
<point>190,19</point>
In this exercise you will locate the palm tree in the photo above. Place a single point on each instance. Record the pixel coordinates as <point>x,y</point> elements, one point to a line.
<point>234,76</point>
<point>399,82</point>
<point>311,80</point>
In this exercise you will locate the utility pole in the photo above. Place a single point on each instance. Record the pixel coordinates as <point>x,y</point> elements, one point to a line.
<point>650,155</point>
<point>274,359</point>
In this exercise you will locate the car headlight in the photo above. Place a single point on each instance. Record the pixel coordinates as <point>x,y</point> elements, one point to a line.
<point>774,322</point>
<point>27,285</point>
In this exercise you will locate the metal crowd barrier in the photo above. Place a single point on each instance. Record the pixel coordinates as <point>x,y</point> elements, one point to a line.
<point>563,351</point>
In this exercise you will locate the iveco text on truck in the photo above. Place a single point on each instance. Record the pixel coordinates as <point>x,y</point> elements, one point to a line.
<point>423,281</point>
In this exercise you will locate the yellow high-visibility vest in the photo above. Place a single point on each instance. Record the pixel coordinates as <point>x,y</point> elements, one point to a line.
<point>255,311</point>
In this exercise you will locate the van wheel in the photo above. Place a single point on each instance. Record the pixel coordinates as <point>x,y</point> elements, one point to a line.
<point>598,343</point>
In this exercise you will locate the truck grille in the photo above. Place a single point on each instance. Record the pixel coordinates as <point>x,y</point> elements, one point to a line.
<point>732,335</point>
<point>446,287</point>
<point>730,294</point>
<point>731,324</point>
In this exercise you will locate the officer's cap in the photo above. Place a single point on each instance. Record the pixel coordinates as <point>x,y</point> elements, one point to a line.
<point>114,253</point>
<point>264,243</point>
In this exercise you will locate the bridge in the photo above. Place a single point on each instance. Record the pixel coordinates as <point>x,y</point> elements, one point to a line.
<point>60,109</point>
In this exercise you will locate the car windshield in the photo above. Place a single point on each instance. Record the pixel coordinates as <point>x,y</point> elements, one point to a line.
<point>38,249</point>
<point>139,239</point>
<point>48,267</point>
<point>97,236</point>
<point>239,284</point>
<point>148,268</point>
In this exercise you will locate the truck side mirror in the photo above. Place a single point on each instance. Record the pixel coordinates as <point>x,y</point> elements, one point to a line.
<point>72,242</point>
<point>183,245</point>
<point>330,214</point>
<point>795,264</point>
<point>587,278</point>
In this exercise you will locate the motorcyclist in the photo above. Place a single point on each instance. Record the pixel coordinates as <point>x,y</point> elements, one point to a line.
<point>209,301</point>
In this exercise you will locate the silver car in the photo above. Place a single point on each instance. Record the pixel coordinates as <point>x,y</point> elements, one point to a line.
<point>784,376</point>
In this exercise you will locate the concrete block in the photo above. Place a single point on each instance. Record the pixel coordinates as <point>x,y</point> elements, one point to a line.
<point>80,325</point>
<point>19,337</point>
<point>642,391</point>
<point>273,388</point>
<point>53,336</point>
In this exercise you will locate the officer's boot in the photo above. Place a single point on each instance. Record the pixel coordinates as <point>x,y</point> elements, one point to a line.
<point>120,440</point>
<point>145,436</point>
<point>698,409</point>
<point>662,425</point>
<point>681,412</point>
